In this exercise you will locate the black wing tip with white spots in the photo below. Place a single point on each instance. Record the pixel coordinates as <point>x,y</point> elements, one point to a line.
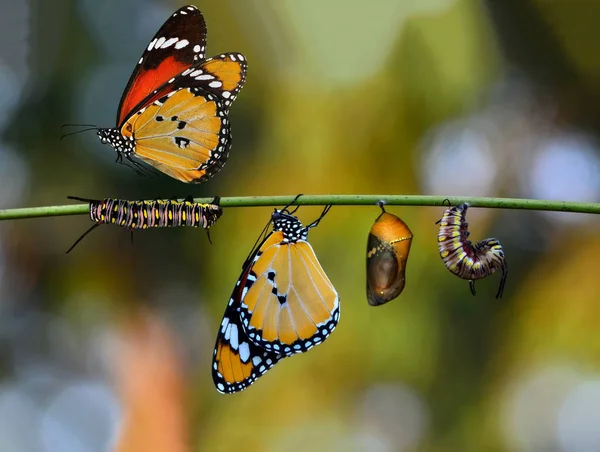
<point>184,30</point>
<point>209,81</point>
<point>183,37</point>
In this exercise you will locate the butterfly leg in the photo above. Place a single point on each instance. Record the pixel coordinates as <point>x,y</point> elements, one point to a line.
<point>140,170</point>
<point>293,201</point>
<point>318,220</point>
<point>129,162</point>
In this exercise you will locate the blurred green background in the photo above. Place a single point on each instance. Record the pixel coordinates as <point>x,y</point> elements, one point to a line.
<point>448,97</point>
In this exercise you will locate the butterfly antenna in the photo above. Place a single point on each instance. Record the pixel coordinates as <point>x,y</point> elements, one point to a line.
<point>77,131</point>
<point>208,235</point>
<point>79,125</point>
<point>82,236</point>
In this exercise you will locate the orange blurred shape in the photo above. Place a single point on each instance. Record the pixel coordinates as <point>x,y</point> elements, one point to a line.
<point>151,387</point>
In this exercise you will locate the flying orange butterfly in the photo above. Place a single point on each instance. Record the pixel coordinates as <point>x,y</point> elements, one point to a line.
<point>282,304</point>
<point>173,114</point>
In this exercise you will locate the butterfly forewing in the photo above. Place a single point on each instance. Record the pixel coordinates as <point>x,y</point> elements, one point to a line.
<point>288,303</point>
<point>178,44</point>
<point>223,75</point>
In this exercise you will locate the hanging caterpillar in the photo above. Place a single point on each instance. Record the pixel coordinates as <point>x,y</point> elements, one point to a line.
<point>388,247</point>
<point>151,214</point>
<point>465,259</point>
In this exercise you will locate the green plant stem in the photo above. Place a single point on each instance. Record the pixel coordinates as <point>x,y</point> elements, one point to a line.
<point>341,200</point>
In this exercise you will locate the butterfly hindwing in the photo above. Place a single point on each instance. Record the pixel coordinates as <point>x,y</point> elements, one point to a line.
<point>237,362</point>
<point>184,134</point>
<point>178,44</point>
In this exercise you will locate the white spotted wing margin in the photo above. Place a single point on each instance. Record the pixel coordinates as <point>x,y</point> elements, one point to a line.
<point>237,362</point>
<point>223,75</point>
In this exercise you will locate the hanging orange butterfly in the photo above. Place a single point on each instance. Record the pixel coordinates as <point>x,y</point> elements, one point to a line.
<point>173,114</point>
<point>282,304</point>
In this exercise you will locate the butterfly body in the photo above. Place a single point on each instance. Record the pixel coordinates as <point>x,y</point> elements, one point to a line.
<point>124,146</point>
<point>173,114</point>
<point>283,304</point>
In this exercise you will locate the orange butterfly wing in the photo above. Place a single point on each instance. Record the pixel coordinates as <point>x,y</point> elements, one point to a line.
<point>177,45</point>
<point>185,133</point>
<point>289,305</point>
<point>237,361</point>
<point>283,304</point>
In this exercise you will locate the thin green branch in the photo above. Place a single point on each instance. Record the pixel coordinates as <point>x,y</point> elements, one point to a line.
<point>342,200</point>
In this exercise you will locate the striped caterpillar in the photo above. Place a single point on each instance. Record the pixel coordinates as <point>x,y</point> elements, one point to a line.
<point>151,214</point>
<point>465,259</point>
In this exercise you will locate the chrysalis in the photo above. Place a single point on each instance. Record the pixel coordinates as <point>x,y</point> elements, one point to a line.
<point>388,247</point>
